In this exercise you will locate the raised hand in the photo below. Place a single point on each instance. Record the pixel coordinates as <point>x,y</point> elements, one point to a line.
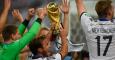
<point>64,45</point>
<point>4,14</point>
<point>17,15</point>
<point>80,6</point>
<point>31,13</point>
<point>41,12</point>
<point>63,32</point>
<point>65,9</point>
<point>65,6</point>
<point>7,4</point>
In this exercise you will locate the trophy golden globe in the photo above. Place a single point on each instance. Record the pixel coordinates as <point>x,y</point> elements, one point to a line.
<point>54,16</point>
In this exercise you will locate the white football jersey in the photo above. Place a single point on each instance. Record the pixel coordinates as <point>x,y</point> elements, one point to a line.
<point>53,57</point>
<point>100,36</point>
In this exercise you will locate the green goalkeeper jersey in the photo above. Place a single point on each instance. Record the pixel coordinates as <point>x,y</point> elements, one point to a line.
<point>11,51</point>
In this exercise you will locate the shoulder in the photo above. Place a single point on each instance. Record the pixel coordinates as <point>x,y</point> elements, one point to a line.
<point>113,20</point>
<point>56,56</point>
<point>85,14</point>
<point>86,17</point>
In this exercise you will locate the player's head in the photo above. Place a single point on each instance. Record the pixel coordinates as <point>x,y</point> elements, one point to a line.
<point>42,35</point>
<point>10,32</point>
<point>39,45</point>
<point>104,9</point>
<point>34,46</point>
<point>85,55</point>
<point>43,31</point>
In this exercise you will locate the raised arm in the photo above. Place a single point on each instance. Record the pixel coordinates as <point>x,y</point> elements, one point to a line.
<point>80,6</point>
<point>30,35</point>
<point>17,15</point>
<point>64,46</point>
<point>25,23</point>
<point>3,17</point>
<point>65,10</point>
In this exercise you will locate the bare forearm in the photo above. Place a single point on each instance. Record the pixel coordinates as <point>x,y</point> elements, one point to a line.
<point>26,49</point>
<point>1,38</point>
<point>3,18</point>
<point>21,19</point>
<point>64,47</point>
<point>66,23</point>
<point>80,6</point>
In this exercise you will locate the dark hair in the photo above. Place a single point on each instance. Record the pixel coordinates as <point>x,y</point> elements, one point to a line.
<point>34,45</point>
<point>84,54</point>
<point>8,31</point>
<point>102,7</point>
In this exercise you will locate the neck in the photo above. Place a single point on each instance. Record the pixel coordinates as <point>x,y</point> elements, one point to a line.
<point>46,54</point>
<point>8,41</point>
<point>109,17</point>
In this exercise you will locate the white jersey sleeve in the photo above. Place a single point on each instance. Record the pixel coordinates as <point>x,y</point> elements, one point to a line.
<point>53,57</point>
<point>86,21</point>
<point>57,56</point>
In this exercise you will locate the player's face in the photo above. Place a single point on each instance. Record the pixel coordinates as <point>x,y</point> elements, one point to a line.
<point>45,44</point>
<point>42,33</point>
<point>47,47</point>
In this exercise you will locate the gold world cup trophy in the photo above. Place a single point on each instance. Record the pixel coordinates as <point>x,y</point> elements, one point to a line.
<point>54,16</point>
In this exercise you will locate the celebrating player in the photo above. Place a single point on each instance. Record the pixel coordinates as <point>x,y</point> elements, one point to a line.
<point>13,42</point>
<point>100,33</point>
<point>41,47</point>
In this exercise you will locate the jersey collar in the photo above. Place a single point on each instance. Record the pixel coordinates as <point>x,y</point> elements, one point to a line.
<point>104,19</point>
<point>37,56</point>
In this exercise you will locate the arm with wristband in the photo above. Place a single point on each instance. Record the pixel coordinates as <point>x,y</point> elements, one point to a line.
<point>27,37</point>
<point>19,44</point>
<point>22,27</point>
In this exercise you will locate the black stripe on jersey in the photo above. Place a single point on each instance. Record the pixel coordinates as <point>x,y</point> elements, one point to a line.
<point>82,14</point>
